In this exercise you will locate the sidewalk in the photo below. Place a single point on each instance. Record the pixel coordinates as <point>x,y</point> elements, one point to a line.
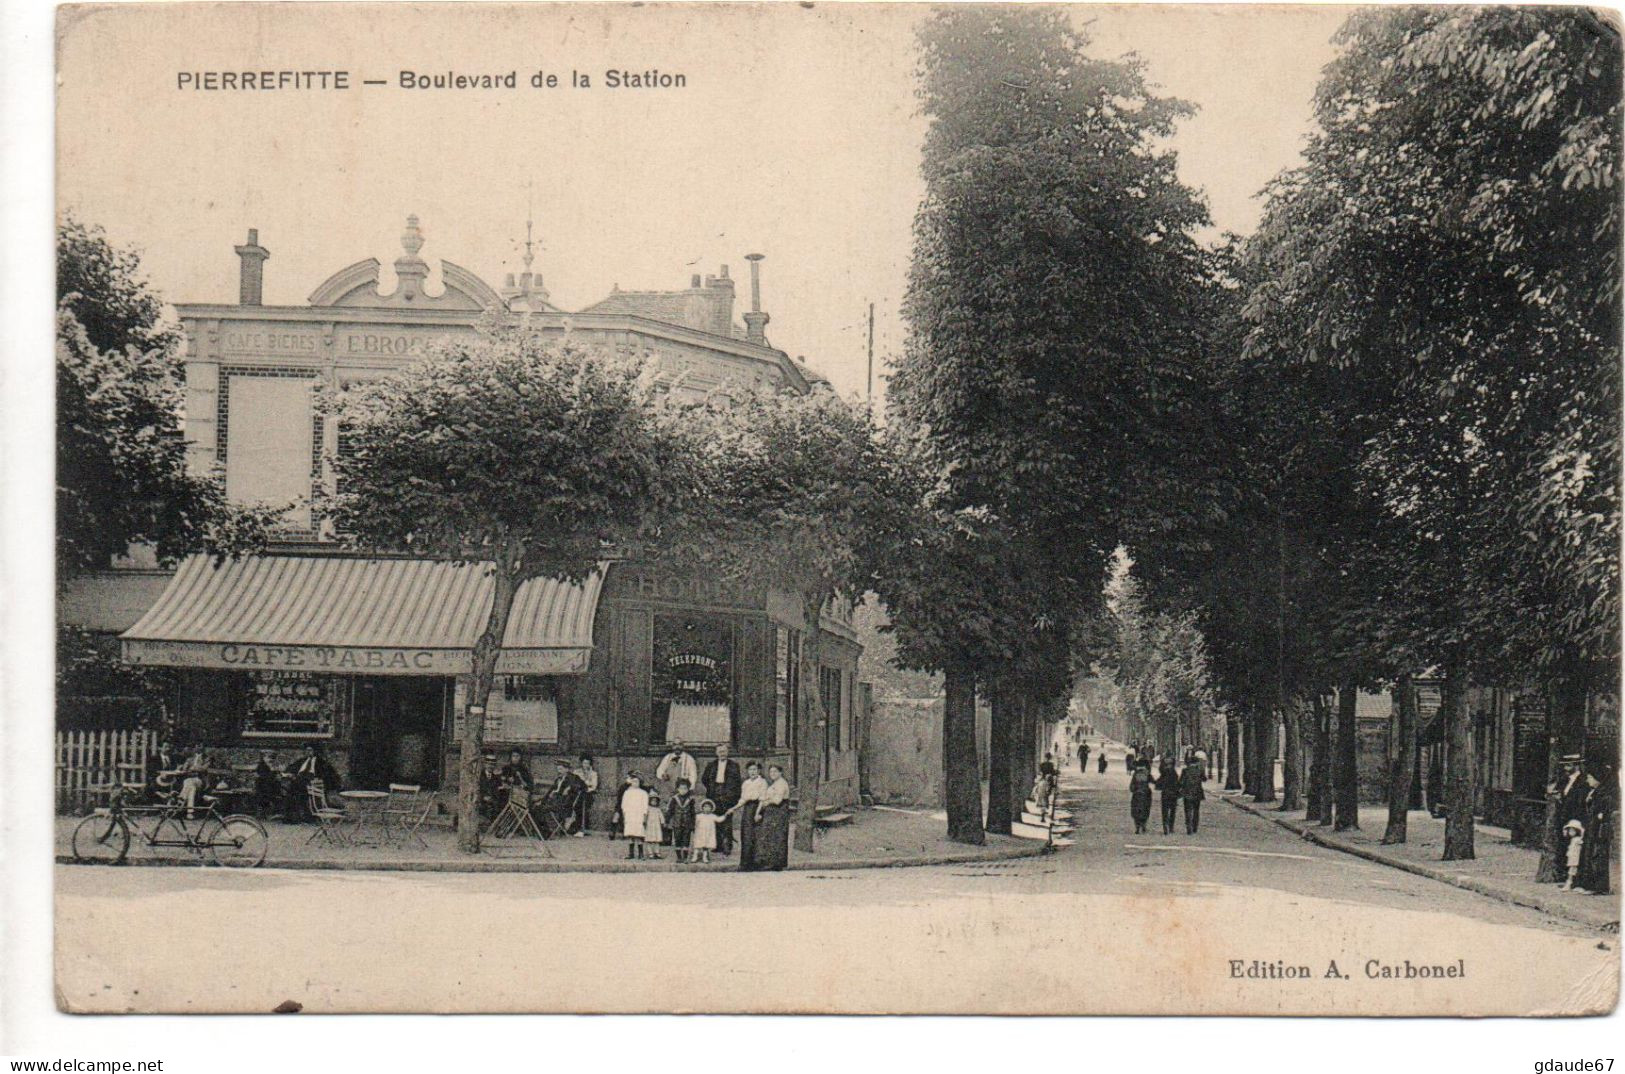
<point>1500,870</point>
<point>876,839</point>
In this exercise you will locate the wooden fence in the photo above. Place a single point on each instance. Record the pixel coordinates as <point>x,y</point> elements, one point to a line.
<point>87,758</point>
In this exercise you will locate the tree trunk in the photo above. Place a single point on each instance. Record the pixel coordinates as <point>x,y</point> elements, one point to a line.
<point>1290,776</point>
<point>1326,715</point>
<point>1001,761</point>
<point>1232,752</point>
<point>471,753</point>
<point>1264,735</point>
<point>1250,749</point>
<point>1345,762</point>
<point>1458,817</point>
<point>1565,734</point>
<point>961,774</point>
<point>1401,761</point>
<point>1312,780</point>
<point>811,734</point>
<point>1025,769</point>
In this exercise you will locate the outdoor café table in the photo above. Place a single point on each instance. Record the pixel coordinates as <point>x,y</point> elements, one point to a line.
<point>369,810</point>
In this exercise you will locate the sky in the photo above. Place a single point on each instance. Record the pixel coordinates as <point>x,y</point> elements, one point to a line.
<point>795,136</point>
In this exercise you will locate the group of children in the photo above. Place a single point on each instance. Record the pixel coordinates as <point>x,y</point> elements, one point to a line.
<point>688,825</point>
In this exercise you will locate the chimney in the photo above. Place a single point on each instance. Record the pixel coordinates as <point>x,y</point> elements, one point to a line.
<point>756,320</point>
<point>251,277</point>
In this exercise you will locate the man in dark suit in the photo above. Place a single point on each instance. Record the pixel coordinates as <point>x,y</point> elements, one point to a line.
<point>1190,789</point>
<point>723,782</point>
<point>309,766</point>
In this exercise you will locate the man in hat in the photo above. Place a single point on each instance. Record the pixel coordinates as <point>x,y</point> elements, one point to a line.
<point>563,795</point>
<point>1570,789</point>
<point>678,764</point>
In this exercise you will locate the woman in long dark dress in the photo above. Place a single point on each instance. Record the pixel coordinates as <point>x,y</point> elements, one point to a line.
<point>1168,787</point>
<point>750,796</point>
<point>773,822</point>
<point>1139,797</point>
<point>1599,836</point>
<point>1100,765</point>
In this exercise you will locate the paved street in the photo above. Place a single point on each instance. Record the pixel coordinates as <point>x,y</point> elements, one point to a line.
<point>1117,923</point>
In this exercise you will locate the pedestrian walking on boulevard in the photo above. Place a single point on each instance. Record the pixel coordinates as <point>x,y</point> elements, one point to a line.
<point>1083,757</point>
<point>1139,797</point>
<point>1190,789</point>
<point>1168,787</point>
<point>1101,764</point>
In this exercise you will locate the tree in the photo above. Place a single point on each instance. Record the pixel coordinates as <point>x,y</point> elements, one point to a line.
<point>121,473</point>
<point>1453,236</point>
<point>535,460</point>
<point>802,495</point>
<point>1052,252</point>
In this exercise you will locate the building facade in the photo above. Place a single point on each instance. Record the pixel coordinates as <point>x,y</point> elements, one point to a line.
<point>371,655</point>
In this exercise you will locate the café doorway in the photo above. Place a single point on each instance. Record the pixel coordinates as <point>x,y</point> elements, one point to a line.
<point>398,721</point>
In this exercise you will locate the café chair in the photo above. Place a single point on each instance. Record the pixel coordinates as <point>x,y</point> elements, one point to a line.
<point>407,809</point>
<point>330,820</point>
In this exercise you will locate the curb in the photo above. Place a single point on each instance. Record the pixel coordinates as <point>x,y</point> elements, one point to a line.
<point>1443,876</point>
<point>534,865</point>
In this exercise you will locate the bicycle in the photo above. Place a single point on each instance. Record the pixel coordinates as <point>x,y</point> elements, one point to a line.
<point>234,840</point>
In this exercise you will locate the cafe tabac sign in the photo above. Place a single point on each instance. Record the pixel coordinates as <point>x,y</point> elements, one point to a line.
<point>348,660</point>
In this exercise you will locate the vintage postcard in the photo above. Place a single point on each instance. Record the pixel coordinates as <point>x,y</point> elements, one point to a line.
<point>837,508</point>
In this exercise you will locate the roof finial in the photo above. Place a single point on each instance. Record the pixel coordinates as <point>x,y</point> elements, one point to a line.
<point>529,213</point>
<point>412,237</point>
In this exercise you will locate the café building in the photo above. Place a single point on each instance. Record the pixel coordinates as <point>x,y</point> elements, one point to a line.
<point>371,655</point>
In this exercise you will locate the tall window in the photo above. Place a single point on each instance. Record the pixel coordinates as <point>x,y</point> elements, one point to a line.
<point>692,678</point>
<point>269,450</point>
<point>785,650</point>
<point>829,692</point>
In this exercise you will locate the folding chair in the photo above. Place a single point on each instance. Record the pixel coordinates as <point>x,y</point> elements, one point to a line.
<point>407,808</point>
<point>516,819</point>
<point>552,826</point>
<point>329,820</point>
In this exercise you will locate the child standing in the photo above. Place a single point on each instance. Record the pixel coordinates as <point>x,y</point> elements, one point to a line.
<point>653,830</point>
<point>680,820</point>
<point>705,831</point>
<point>634,813</point>
<point>1575,831</point>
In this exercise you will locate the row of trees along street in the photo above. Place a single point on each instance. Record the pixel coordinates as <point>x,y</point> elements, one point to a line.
<point>1375,440</point>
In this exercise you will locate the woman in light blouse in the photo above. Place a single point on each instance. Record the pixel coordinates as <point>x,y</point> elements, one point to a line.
<point>773,822</point>
<point>750,796</point>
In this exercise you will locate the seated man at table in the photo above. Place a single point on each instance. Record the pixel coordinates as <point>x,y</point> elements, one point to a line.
<point>267,788</point>
<point>562,797</point>
<point>310,765</point>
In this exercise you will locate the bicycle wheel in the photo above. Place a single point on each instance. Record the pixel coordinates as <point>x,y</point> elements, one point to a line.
<point>237,841</point>
<point>102,838</point>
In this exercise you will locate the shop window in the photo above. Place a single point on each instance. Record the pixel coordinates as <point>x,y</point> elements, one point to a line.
<point>522,709</point>
<point>289,704</point>
<point>692,677</point>
<point>829,694</point>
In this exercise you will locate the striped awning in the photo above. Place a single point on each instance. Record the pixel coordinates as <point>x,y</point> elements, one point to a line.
<point>358,616</point>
